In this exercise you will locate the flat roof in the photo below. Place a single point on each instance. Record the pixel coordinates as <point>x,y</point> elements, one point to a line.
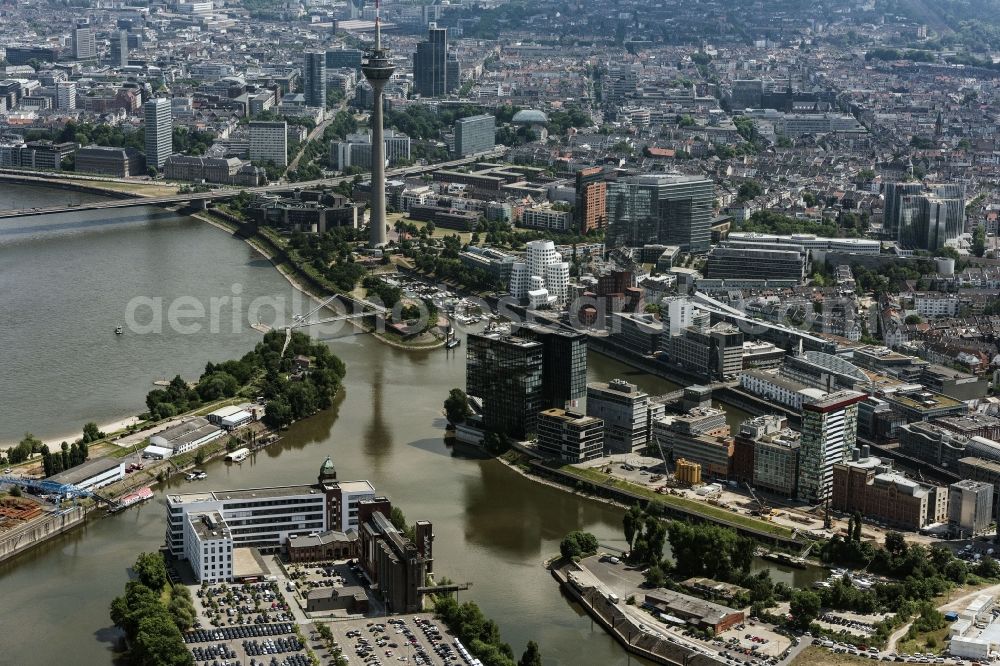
<point>87,470</point>
<point>225,411</point>
<point>928,400</point>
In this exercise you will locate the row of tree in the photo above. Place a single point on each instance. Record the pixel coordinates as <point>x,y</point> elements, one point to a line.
<point>481,635</point>
<point>153,614</point>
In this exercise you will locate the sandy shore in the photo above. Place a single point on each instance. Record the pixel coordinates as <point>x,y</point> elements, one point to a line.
<point>108,428</point>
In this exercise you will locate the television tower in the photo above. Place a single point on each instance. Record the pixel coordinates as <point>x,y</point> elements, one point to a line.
<point>378,70</point>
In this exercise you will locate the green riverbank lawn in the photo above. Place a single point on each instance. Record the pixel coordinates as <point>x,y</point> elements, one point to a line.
<point>700,508</point>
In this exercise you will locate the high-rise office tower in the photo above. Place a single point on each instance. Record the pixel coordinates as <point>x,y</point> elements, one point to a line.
<point>506,373</point>
<point>668,210</point>
<point>430,63</point>
<point>924,218</point>
<point>119,49</point>
<point>378,69</point>
<point>65,95</point>
<point>591,195</point>
<point>314,78</point>
<point>453,73</point>
<point>829,432</point>
<point>475,134</point>
<point>159,130</point>
<point>84,42</point>
<point>269,141</point>
<point>564,366</point>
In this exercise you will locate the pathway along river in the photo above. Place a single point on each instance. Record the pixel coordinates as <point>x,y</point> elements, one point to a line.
<point>65,282</point>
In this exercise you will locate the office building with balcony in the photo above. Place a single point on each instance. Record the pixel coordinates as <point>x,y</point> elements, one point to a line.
<point>735,261</point>
<point>701,436</point>
<point>590,210</point>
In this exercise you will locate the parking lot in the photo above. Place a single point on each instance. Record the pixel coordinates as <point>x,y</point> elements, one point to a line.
<point>756,639</point>
<point>410,639</point>
<point>248,645</point>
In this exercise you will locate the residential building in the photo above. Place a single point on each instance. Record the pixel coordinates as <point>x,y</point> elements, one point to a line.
<point>626,412</point>
<point>506,373</point>
<point>867,485</point>
<point>269,142</point>
<point>664,209</point>
<point>546,217</point>
<point>829,432</point>
<point>475,134</point>
<point>570,437</point>
<point>970,507</point>
<point>159,131</point>
<point>314,78</point>
<point>66,95</point>
<point>430,69</point>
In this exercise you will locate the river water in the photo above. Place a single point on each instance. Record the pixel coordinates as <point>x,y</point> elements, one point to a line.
<point>66,280</point>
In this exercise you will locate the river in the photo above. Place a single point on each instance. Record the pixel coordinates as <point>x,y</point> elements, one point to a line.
<point>66,281</point>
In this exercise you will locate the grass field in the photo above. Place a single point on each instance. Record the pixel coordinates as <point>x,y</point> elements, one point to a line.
<point>939,640</point>
<point>701,508</point>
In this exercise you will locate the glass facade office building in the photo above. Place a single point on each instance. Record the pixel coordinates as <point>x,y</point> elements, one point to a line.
<point>666,210</point>
<point>506,373</point>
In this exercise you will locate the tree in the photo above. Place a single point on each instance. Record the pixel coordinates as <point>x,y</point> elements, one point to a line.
<point>912,319</point>
<point>655,577</point>
<point>895,544</point>
<point>631,522</point>
<point>531,656</point>
<point>804,608</point>
<point>91,433</point>
<point>151,570</point>
<point>398,519</point>
<point>979,241</point>
<point>578,544</point>
<point>456,406</point>
<point>856,535</point>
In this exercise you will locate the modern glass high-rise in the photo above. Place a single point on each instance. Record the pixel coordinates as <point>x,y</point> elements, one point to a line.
<point>506,373</point>
<point>667,210</point>
<point>430,63</point>
<point>159,131</point>
<point>924,218</point>
<point>829,432</point>
<point>344,59</point>
<point>564,366</point>
<point>119,49</point>
<point>314,78</point>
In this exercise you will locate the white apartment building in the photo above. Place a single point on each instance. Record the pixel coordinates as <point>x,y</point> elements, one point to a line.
<point>936,305</point>
<point>269,142</point>
<point>543,277</point>
<point>546,218</point>
<point>66,95</point>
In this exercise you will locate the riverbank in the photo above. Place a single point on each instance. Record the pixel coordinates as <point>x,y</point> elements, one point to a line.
<point>295,277</point>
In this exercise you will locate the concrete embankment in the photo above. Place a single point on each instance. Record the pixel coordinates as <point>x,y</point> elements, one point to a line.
<point>625,629</point>
<point>20,539</point>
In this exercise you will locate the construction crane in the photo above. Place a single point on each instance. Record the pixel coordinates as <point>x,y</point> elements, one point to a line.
<point>762,508</point>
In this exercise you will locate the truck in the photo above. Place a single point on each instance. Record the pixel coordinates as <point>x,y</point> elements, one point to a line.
<point>613,598</point>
